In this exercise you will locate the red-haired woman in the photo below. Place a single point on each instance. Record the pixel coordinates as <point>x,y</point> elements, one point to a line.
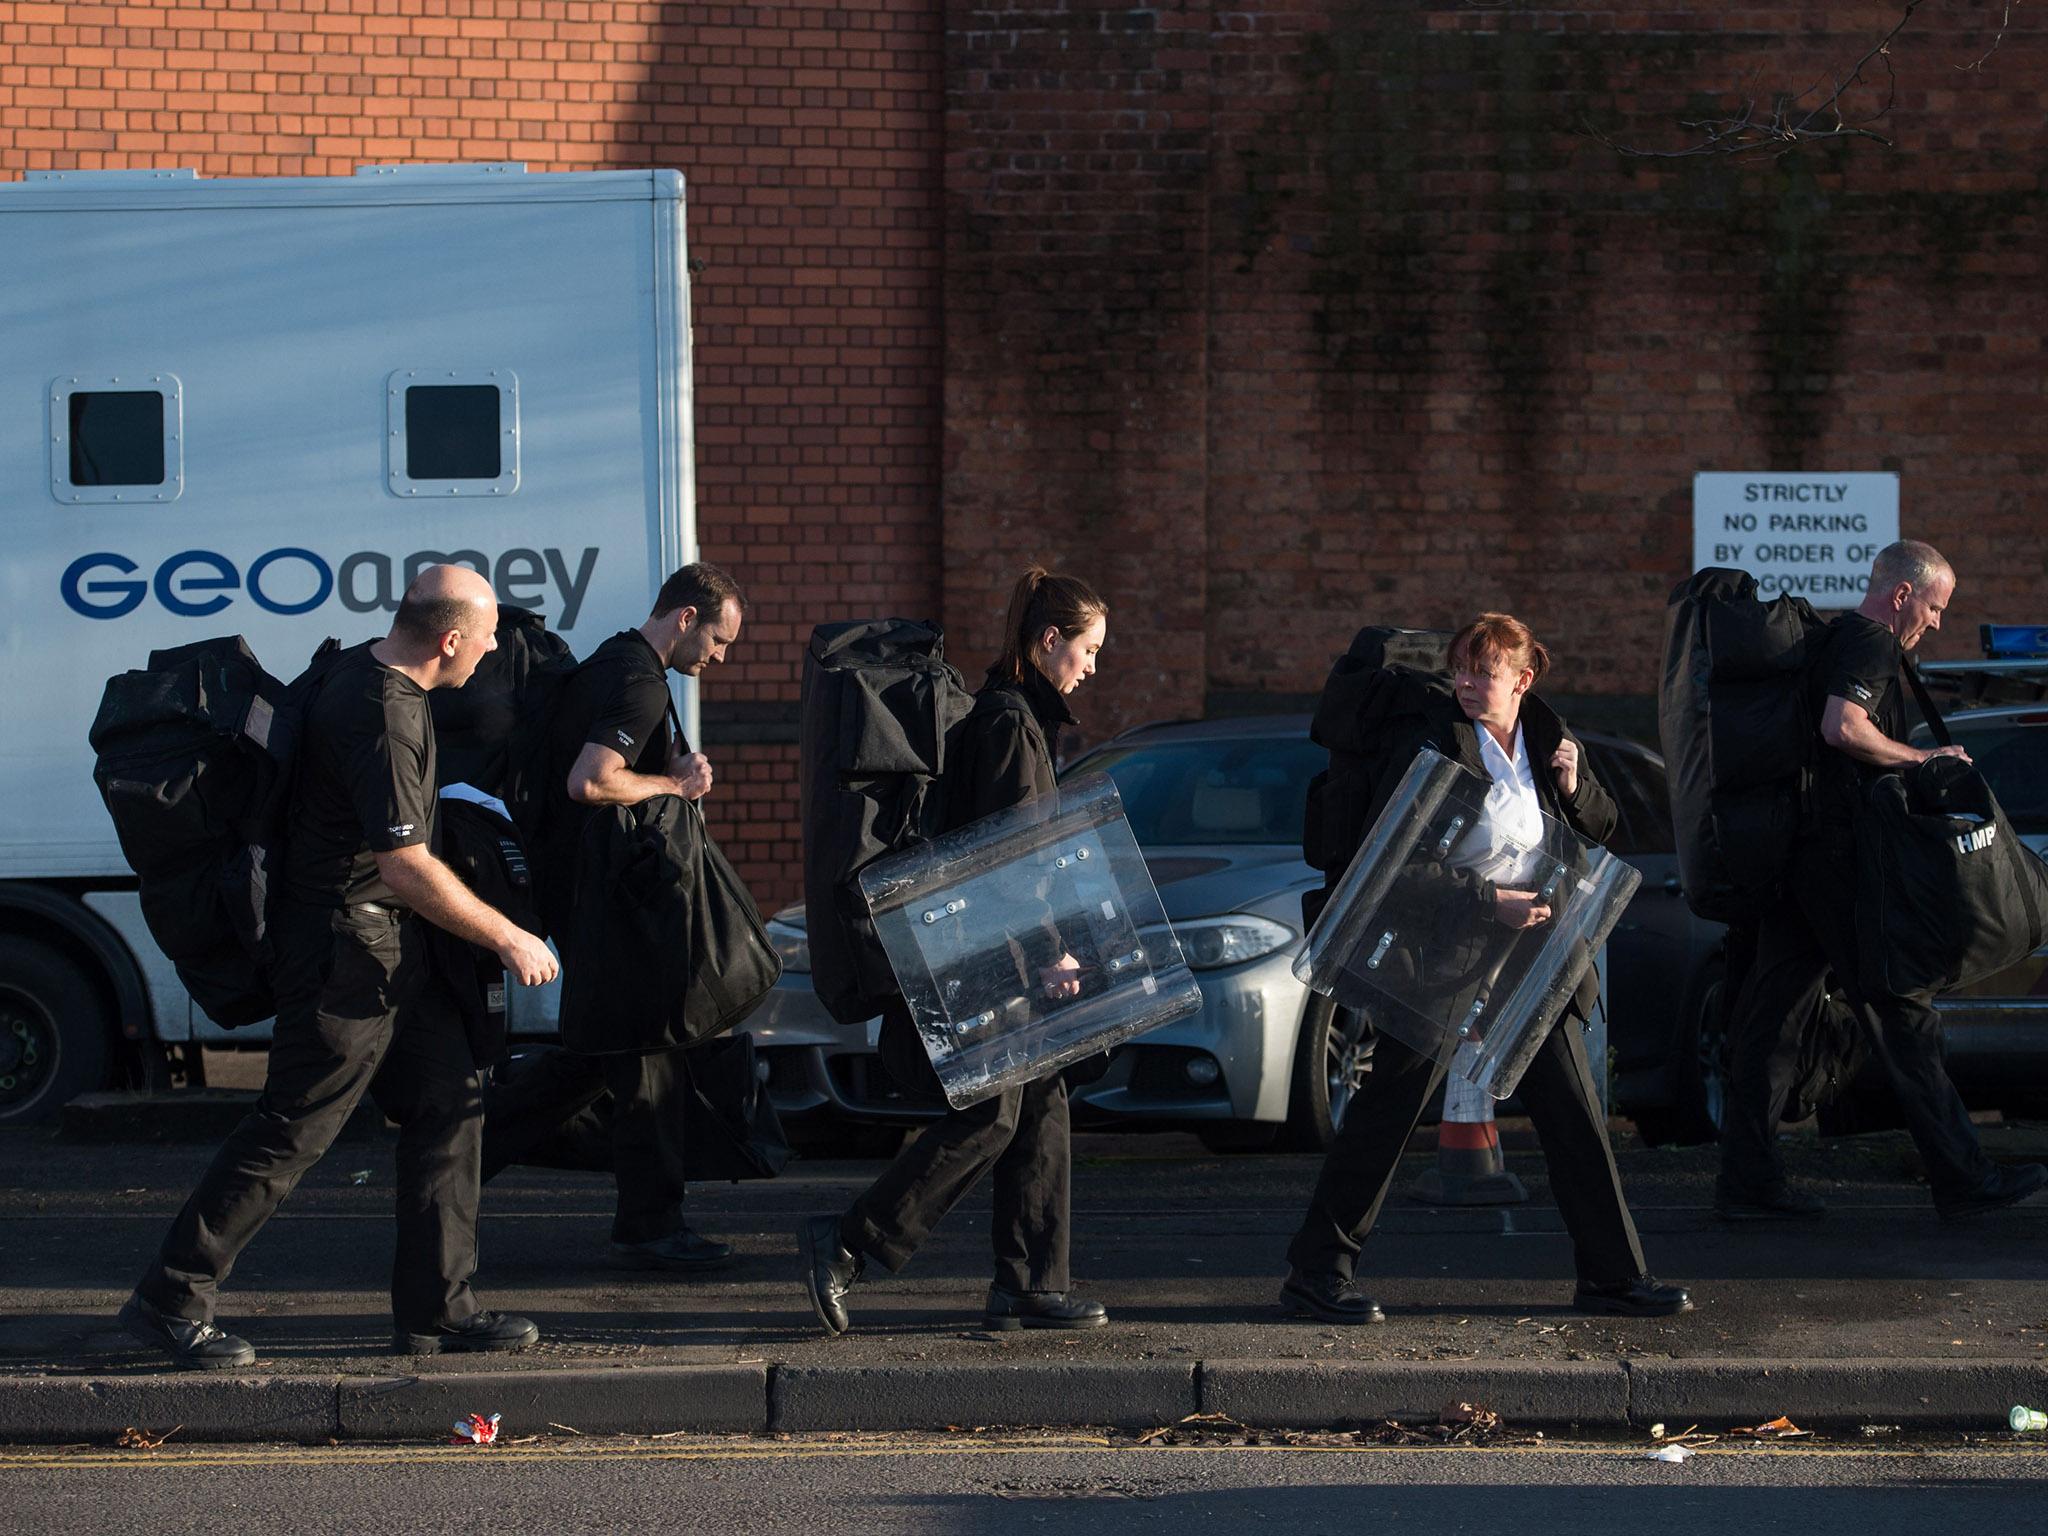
<point>1495,726</point>
<point>1005,756</point>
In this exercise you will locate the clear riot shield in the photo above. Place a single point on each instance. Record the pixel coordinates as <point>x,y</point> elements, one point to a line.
<point>1028,940</point>
<point>1414,934</point>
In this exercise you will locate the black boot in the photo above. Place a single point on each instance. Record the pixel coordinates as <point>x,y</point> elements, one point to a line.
<point>1009,1310</point>
<point>1780,1202</point>
<point>195,1346</point>
<point>830,1268</point>
<point>2005,1186</point>
<point>487,1333</point>
<point>1644,1296</point>
<point>1328,1297</point>
<point>682,1251</point>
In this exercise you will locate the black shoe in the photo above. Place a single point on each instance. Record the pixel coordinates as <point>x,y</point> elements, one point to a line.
<point>1640,1297</point>
<point>830,1268</point>
<point>2005,1186</point>
<point>195,1346</point>
<point>1781,1202</point>
<point>1327,1297</point>
<point>1008,1310</point>
<point>681,1250</point>
<point>486,1333</point>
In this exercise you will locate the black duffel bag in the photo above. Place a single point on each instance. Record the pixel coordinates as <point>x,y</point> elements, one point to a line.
<point>665,946</point>
<point>1948,894</point>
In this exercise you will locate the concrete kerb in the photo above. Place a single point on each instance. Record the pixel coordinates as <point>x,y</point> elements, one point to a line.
<point>613,1400</point>
<point>44,1410</point>
<point>1136,1395</point>
<point>1591,1396</point>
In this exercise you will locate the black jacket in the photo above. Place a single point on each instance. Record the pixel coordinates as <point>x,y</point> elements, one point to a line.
<point>1007,748</point>
<point>1005,754</point>
<point>1430,716</point>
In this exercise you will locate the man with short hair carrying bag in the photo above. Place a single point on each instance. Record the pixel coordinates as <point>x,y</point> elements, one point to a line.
<point>1820,919</point>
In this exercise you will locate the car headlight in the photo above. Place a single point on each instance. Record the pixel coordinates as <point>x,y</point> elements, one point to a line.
<point>1211,943</point>
<point>790,940</point>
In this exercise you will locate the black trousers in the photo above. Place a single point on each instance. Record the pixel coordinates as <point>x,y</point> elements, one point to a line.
<point>642,1101</point>
<point>1022,1136</point>
<point>352,1017</point>
<point>1558,1093</point>
<point>1808,933</point>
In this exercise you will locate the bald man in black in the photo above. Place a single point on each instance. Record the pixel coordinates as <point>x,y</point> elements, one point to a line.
<point>359,875</point>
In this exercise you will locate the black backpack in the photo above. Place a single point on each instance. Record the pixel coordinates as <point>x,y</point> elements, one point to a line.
<point>193,759</point>
<point>1388,676</point>
<point>880,705</point>
<point>493,731</point>
<point>1738,736</point>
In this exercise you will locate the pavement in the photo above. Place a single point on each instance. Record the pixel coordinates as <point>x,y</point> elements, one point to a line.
<point>1880,1316</point>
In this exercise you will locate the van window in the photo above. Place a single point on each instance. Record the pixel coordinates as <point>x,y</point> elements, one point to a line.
<point>117,437</point>
<point>453,431</point>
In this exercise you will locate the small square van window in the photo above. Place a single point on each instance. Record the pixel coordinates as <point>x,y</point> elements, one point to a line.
<point>454,432</point>
<point>116,438</point>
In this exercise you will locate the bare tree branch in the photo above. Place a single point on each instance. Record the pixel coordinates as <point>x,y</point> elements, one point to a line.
<point>2004,23</point>
<point>1835,107</point>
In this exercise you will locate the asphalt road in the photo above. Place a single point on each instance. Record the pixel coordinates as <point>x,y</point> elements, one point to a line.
<point>882,1485</point>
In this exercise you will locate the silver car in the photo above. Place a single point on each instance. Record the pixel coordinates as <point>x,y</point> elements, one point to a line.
<point>1217,808</point>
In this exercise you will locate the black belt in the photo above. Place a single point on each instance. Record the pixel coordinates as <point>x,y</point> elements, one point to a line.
<point>380,909</point>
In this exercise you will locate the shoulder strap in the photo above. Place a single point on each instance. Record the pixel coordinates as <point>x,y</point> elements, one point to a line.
<point>1935,724</point>
<point>675,722</point>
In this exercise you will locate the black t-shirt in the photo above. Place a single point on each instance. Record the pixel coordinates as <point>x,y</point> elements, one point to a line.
<point>363,783</point>
<point>619,699</point>
<point>1858,661</point>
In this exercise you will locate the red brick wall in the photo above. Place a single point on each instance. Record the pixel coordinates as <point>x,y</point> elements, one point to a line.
<point>809,136</point>
<point>1273,318</point>
<point>1443,349</point>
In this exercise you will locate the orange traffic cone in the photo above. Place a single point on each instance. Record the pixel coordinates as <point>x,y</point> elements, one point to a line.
<point>1469,1167</point>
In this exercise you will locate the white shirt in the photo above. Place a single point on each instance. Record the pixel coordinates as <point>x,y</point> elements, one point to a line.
<point>1506,846</point>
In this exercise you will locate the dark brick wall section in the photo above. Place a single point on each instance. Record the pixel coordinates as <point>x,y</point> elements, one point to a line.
<point>1076,331</point>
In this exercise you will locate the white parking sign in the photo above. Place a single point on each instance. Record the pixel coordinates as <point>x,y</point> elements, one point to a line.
<point>1812,535</point>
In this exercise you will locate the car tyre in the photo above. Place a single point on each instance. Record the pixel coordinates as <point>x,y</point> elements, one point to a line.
<point>1332,1054</point>
<point>54,1032</point>
<point>1700,1078</point>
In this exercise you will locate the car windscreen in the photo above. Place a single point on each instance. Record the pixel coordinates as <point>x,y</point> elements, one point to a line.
<point>1236,790</point>
<point>2013,758</point>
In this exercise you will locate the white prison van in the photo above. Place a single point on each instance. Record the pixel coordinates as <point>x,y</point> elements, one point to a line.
<point>259,406</point>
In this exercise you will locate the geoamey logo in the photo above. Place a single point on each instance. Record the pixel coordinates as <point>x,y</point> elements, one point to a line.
<point>197,583</point>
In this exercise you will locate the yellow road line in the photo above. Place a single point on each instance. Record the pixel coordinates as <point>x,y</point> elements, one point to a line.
<point>567,1449</point>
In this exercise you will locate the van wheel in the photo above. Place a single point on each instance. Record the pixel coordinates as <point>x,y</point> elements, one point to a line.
<point>53,1032</point>
<point>1700,1092</point>
<point>1332,1054</point>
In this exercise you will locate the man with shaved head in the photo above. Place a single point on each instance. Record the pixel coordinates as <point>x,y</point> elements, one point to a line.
<point>358,876</point>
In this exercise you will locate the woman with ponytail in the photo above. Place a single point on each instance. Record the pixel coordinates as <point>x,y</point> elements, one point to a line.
<point>1005,755</point>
